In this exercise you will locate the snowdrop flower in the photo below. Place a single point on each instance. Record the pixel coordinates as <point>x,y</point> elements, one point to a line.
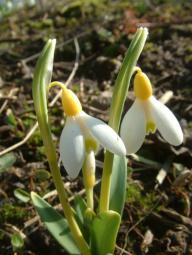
<point>146,115</point>
<point>82,133</point>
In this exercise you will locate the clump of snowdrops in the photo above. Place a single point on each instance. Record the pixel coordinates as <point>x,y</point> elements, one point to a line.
<point>84,228</point>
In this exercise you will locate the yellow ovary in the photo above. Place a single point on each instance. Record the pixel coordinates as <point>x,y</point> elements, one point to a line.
<point>71,103</point>
<point>142,86</point>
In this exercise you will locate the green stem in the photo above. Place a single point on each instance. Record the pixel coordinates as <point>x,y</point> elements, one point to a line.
<point>106,182</point>
<point>57,83</point>
<point>55,171</point>
<point>42,78</point>
<point>90,201</point>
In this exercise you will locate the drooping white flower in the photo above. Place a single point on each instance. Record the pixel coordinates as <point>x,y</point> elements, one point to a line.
<point>146,115</point>
<point>82,133</point>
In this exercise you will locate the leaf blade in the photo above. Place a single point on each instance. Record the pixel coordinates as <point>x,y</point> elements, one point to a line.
<point>118,184</point>
<point>104,232</point>
<point>55,223</point>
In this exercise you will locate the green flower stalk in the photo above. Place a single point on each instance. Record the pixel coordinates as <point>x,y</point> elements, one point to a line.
<point>42,78</point>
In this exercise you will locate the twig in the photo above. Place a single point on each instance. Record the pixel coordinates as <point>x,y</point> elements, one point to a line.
<point>123,251</point>
<point>164,99</point>
<point>16,145</point>
<point>125,244</point>
<point>163,172</point>
<point>76,64</point>
<point>10,96</point>
<point>26,138</point>
<point>145,216</point>
<point>26,60</point>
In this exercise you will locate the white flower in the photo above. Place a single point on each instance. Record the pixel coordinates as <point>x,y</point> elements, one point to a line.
<point>82,133</point>
<point>146,115</point>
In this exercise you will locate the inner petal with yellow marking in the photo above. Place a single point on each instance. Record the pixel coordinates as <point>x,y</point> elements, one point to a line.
<point>91,144</point>
<point>150,127</point>
<point>150,123</point>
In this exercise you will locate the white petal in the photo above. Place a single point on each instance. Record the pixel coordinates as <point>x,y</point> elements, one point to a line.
<point>133,127</point>
<point>71,147</point>
<point>166,122</point>
<point>106,136</point>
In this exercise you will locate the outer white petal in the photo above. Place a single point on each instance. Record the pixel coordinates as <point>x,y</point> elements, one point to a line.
<point>166,122</point>
<point>133,127</point>
<point>71,147</point>
<point>105,135</point>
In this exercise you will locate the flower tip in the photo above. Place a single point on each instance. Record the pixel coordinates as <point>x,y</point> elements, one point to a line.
<point>120,149</point>
<point>123,150</point>
<point>72,176</point>
<point>179,139</point>
<point>71,148</point>
<point>166,122</point>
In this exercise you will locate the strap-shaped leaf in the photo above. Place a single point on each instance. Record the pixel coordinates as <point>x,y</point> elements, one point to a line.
<point>80,210</point>
<point>55,223</point>
<point>118,184</point>
<point>104,232</point>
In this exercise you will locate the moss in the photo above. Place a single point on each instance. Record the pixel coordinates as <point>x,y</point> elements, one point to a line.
<point>144,202</point>
<point>133,193</point>
<point>12,214</point>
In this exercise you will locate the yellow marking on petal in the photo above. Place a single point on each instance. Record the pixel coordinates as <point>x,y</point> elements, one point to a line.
<point>150,127</point>
<point>91,144</point>
<point>142,86</point>
<point>71,103</point>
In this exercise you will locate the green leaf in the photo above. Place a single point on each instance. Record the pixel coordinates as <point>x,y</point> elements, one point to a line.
<point>80,212</point>
<point>124,76</point>
<point>80,208</point>
<point>42,175</point>
<point>41,80</point>
<point>55,223</point>
<point>104,232</point>
<point>10,118</point>
<point>118,184</point>
<point>6,161</point>
<point>17,241</point>
<point>22,195</point>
